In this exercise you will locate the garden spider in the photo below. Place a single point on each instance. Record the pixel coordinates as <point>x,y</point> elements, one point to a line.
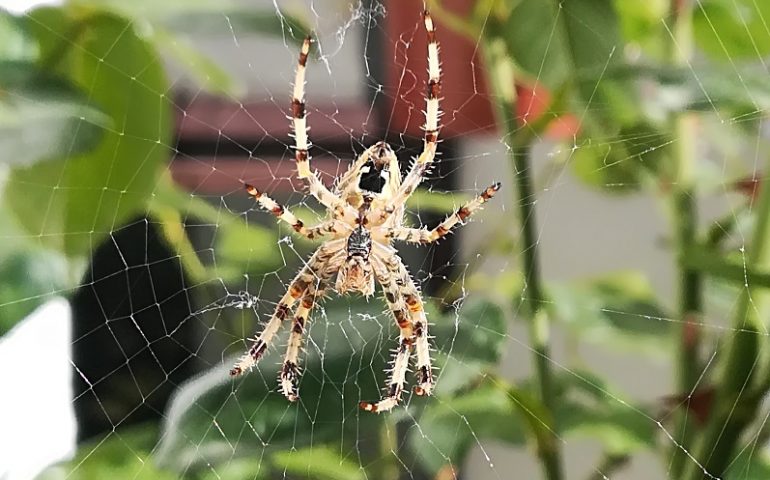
<point>366,211</point>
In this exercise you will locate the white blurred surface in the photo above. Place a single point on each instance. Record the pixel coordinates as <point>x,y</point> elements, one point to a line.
<point>36,412</point>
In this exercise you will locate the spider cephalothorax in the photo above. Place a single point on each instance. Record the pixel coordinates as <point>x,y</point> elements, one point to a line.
<point>366,210</point>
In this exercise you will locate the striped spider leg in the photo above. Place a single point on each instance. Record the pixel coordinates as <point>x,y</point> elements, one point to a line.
<point>398,308</point>
<point>282,213</point>
<point>301,141</point>
<point>290,370</point>
<point>325,260</point>
<point>425,236</point>
<point>431,127</point>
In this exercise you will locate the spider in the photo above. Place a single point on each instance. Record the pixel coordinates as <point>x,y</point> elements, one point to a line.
<point>365,215</point>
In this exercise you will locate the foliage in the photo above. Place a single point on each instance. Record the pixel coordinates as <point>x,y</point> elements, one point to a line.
<point>636,131</point>
<point>83,161</point>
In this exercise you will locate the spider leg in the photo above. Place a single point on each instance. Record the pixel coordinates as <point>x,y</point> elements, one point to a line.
<point>290,370</point>
<point>398,306</point>
<point>423,235</point>
<point>307,276</point>
<point>283,213</point>
<point>408,289</point>
<point>301,141</point>
<point>431,127</point>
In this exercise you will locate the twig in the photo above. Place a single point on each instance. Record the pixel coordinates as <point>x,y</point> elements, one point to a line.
<point>499,66</point>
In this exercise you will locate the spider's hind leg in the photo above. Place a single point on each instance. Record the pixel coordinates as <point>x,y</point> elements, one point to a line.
<point>398,306</point>
<point>290,371</point>
<point>318,267</point>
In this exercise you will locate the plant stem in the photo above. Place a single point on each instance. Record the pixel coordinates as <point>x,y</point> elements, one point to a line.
<point>609,465</point>
<point>684,219</point>
<point>741,386</point>
<point>501,79</point>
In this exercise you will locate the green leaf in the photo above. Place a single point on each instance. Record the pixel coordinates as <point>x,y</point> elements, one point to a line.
<point>598,163</point>
<point>320,463</point>
<point>208,74</point>
<point>619,311</point>
<point>253,247</point>
<point>731,30</point>
<point>27,280</point>
<point>642,26</point>
<point>73,203</point>
<point>588,408</point>
<point>469,343</point>
<point>15,42</point>
<point>436,202</point>
<point>43,116</point>
<point>732,268</point>
<point>620,429</point>
<point>450,427</point>
<point>121,454</point>
<point>539,56</point>
<point>344,364</point>
<point>208,17</point>
<point>751,463</point>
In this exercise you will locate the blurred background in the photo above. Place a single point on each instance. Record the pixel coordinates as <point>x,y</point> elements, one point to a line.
<point>603,317</point>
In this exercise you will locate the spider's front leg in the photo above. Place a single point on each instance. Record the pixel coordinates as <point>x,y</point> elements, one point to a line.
<point>301,141</point>
<point>283,213</point>
<point>431,127</point>
<point>399,309</point>
<point>423,235</point>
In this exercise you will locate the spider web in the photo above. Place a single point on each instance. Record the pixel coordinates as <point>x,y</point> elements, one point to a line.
<point>152,340</point>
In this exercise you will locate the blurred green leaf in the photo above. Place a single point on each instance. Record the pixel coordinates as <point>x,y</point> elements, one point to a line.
<point>641,24</point>
<point>700,86</point>
<point>208,17</point>
<point>16,44</point>
<point>241,247</point>
<point>469,342</point>
<point>73,203</point>
<point>732,268</point>
<point>251,246</point>
<point>27,280</point>
<point>543,58</point>
<point>731,30</point>
<point>122,454</point>
<point>318,462</point>
<point>237,469</point>
<point>436,202</point>
<point>600,166</point>
<point>621,429</point>
<point>206,72</point>
<point>205,419</point>
<point>752,463</point>
<point>238,21</point>
<point>618,311</point>
<point>588,408</point>
<point>43,117</point>
<point>450,427</point>
<point>592,31</point>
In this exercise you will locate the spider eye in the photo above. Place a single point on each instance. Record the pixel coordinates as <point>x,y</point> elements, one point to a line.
<point>372,179</point>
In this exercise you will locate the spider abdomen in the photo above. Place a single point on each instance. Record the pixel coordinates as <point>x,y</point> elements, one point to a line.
<point>356,274</point>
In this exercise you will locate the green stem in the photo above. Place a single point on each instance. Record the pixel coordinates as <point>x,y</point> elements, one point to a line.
<point>684,219</point>
<point>609,465</point>
<point>501,70</point>
<point>741,384</point>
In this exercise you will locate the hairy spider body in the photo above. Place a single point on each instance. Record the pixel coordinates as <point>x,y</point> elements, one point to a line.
<point>366,211</point>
